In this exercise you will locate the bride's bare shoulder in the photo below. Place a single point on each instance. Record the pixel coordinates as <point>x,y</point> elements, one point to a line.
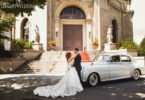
<point>73,57</point>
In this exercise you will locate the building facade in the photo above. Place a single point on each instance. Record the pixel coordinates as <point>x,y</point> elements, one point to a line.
<point>76,23</point>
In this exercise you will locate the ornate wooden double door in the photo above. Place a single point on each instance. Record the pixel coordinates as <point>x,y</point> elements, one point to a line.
<point>72,37</point>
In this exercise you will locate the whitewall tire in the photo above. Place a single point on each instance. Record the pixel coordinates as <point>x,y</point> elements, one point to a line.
<point>136,74</point>
<point>93,79</point>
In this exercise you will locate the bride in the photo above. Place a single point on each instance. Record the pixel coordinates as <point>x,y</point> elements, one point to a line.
<point>69,85</point>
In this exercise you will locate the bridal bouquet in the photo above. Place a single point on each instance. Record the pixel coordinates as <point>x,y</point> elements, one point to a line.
<point>52,43</point>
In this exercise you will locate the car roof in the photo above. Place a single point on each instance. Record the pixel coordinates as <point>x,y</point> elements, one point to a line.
<point>114,54</point>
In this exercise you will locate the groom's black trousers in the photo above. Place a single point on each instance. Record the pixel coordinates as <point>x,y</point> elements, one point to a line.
<point>79,74</point>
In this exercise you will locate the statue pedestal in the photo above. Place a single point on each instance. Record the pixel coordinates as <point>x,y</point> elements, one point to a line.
<point>37,46</point>
<point>109,46</point>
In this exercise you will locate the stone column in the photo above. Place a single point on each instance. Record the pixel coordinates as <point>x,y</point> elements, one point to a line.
<point>99,25</point>
<point>57,34</point>
<point>89,34</point>
<point>95,33</point>
<point>49,22</point>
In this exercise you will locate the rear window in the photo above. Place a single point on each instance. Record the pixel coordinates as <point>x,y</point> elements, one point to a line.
<point>125,58</point>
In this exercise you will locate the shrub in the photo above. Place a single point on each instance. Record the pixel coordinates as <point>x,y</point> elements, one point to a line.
<point>126,44</point>
<point>1,47</point>
<point>28,45</point>
<point>17,45</point>
<point>20,45</point>
<point>142,44</point>
<point>4,53</point>
<point>141,49</point>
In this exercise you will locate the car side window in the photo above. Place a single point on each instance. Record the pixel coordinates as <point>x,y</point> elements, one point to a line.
<point>125,58</point>
<point>105,58</point>
<point>115,59</point>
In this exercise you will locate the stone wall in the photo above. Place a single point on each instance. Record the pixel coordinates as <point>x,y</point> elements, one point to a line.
<point>115,10</point>
<point>8,65</point>
<point>127,25</point>
<point>107,14</point>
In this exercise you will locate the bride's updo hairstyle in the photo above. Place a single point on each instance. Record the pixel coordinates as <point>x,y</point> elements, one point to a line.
<point>68,55</point>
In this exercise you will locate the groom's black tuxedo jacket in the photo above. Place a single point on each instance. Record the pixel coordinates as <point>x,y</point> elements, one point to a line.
<point>77,62</point>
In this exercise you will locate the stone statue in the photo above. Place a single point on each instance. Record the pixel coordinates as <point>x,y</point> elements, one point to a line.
<point>109,34</point>
<point>37,38</point>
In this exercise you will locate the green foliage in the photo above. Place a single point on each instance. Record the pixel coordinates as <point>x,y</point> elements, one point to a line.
<point>19,7</point>
<point>142,45</point>
<point>141,49</point>
<point>28,45</point>
<point>126,44</point>
<point>17,45</point>
<point>20,45</point>
<point>5,24</point>
<point>1,47</point>
<point>129,44</point>
<point>4,53</point>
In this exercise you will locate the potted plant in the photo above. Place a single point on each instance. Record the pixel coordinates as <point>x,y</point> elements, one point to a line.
<point>52,44</point>
<point>95,44</point>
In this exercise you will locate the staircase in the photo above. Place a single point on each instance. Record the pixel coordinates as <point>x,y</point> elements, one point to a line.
<point>85,57</point>
<point>51,62</point>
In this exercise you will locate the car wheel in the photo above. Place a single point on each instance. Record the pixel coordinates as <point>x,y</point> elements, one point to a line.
<point>136,74</point>
<point>93,79</point>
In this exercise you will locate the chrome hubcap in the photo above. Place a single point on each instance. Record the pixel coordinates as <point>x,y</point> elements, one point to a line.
<point>93,79</point>
<point>136,75</point>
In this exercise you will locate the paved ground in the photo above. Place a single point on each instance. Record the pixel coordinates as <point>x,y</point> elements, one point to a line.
<point>20,87</point>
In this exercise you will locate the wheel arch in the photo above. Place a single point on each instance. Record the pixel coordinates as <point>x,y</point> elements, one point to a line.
<point>138,70</point>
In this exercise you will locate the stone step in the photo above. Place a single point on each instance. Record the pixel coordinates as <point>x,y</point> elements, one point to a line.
<point>51,61</point>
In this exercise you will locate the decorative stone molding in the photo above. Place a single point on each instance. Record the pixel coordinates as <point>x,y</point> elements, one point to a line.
<point>90,3</point>
<point>117,5</point>
<point>130,13</point>
<point>76,3</point>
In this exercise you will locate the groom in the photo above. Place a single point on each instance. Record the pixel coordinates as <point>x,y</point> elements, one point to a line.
<point>77,62</point>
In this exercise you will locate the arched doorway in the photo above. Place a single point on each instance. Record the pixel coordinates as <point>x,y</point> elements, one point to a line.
<point>25,29</point>
<point>72,33</point>
<point>114,31</point>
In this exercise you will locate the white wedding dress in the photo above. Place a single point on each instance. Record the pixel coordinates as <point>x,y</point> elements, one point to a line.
<point>69,85</point>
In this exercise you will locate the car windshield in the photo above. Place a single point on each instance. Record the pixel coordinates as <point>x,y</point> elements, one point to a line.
<point>102,58</point>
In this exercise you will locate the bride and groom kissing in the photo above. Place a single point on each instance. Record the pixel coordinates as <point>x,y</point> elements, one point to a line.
<point>70,84</point>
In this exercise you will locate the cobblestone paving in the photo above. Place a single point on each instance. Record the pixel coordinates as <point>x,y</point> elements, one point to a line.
<point>20,87</point>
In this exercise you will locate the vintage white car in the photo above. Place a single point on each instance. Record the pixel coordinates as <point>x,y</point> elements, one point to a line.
<point>110,67</point>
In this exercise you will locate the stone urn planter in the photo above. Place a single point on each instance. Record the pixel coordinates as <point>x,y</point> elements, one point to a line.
<point>52,47</point>
<point>95,48</point>
<point>95,45</point>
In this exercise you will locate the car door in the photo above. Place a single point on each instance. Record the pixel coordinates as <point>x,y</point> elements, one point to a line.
<point>126,65</point>
<point>116,67</point>
<point>102,68</point>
